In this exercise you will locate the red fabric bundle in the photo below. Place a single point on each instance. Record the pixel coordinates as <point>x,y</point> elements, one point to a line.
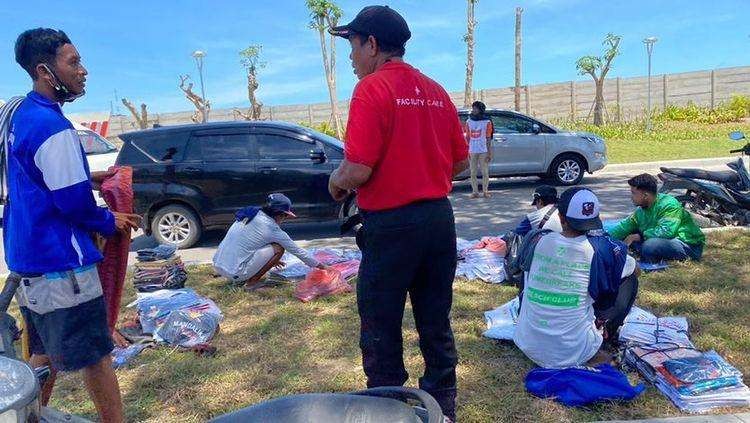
<point>493,244</point>
<point>319,283</point>
<point>117,191</point>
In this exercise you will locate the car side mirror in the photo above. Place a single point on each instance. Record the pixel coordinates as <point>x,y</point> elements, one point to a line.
<point>318,156</point>
<point>737,135</point>
<point>535,128</point>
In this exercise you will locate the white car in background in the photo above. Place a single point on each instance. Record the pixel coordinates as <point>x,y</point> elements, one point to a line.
<point>100,153</point>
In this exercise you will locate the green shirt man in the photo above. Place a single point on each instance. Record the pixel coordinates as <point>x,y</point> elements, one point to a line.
<point>660,228</point>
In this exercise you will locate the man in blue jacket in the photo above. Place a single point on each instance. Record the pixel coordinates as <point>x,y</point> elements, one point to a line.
<point>50,216</point>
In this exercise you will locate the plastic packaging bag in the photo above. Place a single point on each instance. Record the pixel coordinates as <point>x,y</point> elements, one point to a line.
<point>348,269</point>
<point>482,264</point>
<point>699,369</point>
<point>188,328</point>
<point>155,307</point>
<point>121,356</point>
<point>501,322</point>
<point>319,283</point>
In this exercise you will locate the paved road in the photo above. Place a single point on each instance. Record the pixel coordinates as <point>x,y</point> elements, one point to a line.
<point>474,217</point>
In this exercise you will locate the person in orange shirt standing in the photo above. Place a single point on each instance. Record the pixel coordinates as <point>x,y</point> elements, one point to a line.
<point>479,129</point>
<point>404,145</point>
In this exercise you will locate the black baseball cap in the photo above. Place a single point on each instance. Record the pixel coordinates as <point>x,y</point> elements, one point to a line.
<point>581,209</point>
<point>280,202</point>
<point>546,193</point>
<point>382,22</point>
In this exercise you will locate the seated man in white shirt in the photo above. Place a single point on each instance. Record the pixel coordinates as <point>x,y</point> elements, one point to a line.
<point>579,287</point>
<point>255,243</point>
<point>546,215</point>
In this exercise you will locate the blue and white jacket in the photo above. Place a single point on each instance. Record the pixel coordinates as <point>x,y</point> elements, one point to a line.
<point>51,210</point>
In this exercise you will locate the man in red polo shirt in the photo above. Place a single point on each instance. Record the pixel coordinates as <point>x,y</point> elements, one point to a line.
<point>404,144</point>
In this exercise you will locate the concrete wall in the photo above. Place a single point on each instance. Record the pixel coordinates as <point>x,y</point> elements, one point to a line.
<point>625,99</point>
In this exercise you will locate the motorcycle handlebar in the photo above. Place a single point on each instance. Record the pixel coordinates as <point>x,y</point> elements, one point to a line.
<point>740,150</point>
<point>9,290</point>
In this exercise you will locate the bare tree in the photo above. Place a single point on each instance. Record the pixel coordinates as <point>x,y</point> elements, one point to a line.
<point>517,90</point>
<point>250,60</point>
<point>589,65</point>
<point>325,14</point>
<point>140,118</point>
<point>202,105</point>
<point>471,24</point>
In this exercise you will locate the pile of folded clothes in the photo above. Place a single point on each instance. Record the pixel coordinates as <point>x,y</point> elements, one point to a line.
<point>343,260</point>
<point>178,317</point>
<point>661,350</point>
<point>158,268</point>
<point>160,252</point>
<point>482,259</point>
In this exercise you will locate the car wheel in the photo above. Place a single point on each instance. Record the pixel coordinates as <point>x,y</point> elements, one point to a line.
<point>178,225</point>
<point>567,170</point>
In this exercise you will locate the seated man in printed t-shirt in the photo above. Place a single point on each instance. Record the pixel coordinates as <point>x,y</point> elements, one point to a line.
<point>579,287</point>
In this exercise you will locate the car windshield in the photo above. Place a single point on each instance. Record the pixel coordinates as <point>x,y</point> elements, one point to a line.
<point>93,143</point>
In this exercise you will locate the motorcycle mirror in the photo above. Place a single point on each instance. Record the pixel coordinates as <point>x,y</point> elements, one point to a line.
<point>737,135</point>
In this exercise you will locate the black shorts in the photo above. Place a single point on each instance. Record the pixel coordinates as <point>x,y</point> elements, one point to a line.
<point>73,338</point>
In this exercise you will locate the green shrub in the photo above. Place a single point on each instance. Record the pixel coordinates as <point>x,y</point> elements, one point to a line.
<point>732,111</point>
<point>740,104</point>
<point>323,127</point>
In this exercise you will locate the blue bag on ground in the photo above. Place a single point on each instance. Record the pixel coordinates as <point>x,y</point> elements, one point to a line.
<point>580,386</point>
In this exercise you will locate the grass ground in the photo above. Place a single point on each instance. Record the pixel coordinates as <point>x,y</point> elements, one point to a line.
<point>270,345</point>
<point>630,142</point>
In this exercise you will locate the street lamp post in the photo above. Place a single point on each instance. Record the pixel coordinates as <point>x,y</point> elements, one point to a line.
<point>199,55</point>
<point>649,42</point>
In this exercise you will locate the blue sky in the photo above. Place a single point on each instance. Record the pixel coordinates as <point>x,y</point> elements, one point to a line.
<point>140,47</point>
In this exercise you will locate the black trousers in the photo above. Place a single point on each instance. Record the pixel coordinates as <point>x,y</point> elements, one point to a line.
<point>411,250</point>
<point>614,314</point>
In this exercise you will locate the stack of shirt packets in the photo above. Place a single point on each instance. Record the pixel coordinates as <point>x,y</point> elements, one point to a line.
<point>158,268</point>
<point>481,260</point>
<point>696,382</point>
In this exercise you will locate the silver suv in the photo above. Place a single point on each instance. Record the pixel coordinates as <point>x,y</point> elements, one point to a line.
<point>524,146</point>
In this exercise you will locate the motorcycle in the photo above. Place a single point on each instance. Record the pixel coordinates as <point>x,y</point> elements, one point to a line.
<point>19,383</point>
<point>719,198</point>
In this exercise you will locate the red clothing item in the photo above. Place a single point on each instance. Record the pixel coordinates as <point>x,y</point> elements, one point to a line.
<point>117,191</point>
<point>405,127</point>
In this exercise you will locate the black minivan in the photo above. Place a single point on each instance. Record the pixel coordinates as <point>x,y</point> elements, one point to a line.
<point>190,178</point>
